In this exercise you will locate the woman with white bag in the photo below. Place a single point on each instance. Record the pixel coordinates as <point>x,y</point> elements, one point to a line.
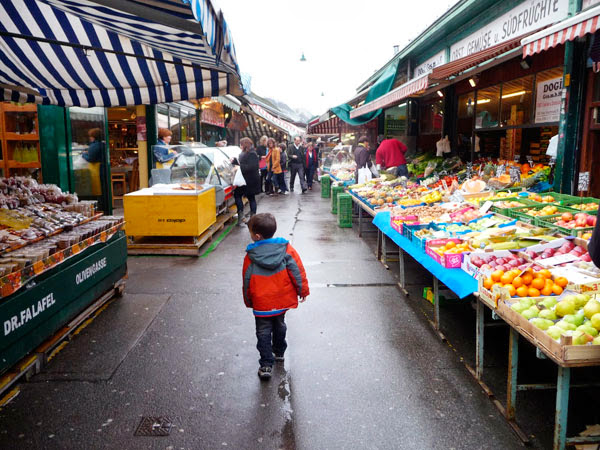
<point>246,179</point>
<point>364,166</point>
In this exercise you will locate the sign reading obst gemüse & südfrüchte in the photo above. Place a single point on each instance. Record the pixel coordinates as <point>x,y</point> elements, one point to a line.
<point>524,18</point>
<point>433,62</point>
<point>548,100</point>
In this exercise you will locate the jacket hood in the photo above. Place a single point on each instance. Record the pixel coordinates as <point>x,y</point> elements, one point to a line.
<point>268,253</point>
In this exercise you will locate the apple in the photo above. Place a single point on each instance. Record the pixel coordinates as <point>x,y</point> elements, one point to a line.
<point>530,253</point>
<point>581,215</point>
<point>581,222</point>
<point>586,257</point>
<point>581,338</point>
<point>591,221</point>
<point>566,216</point>
<point>596,340</point>
<point>486,267</point>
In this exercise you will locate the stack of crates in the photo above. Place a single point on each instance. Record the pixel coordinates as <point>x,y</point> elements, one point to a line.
<point>325,186</point>
<point>344,210</point>
<point>335,190</point>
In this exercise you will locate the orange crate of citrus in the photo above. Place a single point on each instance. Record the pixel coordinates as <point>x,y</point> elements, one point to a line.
<point>528,283</point>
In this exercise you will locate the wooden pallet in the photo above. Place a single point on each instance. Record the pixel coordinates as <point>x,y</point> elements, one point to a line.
<point>177,245</point>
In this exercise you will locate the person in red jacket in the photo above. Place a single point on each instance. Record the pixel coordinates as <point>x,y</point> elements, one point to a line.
<point>390,153</point>
<point>273,280</point>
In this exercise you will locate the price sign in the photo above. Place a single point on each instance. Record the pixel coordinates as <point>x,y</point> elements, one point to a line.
<point>469,169</point>
<point>515,174</point>
<point>500,170</point>
<point>584,181</point>
<point>486,207</point>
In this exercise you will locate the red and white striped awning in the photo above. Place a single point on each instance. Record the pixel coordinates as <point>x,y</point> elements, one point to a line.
<point>577,26</point>
<point>327,127</point>
<point>401,92</point>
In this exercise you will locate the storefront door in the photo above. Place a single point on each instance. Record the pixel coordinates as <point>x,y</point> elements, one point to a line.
<point>590,148</point>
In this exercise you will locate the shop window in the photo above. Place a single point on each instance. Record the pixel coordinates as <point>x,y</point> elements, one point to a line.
<point>188,125</point>
<point>174,121</point>
<point>395,120</point>
<point>162,117</point>
<point>432,116</point>
<point>596,97</point>
<point>517,99</point>
<point>488,106</point>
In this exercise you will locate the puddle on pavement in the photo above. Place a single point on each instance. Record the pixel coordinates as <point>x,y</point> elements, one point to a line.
<point>288,438</point>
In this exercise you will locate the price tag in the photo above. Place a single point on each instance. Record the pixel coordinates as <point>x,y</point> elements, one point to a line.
<point>515,174</point>
<point>584,181</point>
<point>500,170</point>
<point>445,185</point>
<point>486,207</point>
<point>556,260</point>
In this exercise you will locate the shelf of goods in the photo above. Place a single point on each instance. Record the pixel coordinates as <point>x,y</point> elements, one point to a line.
<point>57,256</point>
<point>523,254</point>
<point>19,136</point>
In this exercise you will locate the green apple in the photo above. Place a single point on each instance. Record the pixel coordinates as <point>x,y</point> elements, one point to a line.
<point>519,307</point>
<point>542,324</point>
<point>595,321</point>
<point>592,307</point>
<point>549,302</point>
<point>566,326</point>
<point>587,329</point>
<point>581,300</point>
<point>564,308</point>
<point>554,332</point>
<point>530,313</point>
<point>547,314</point>
<point>574,319</point>
<point>596,340</point>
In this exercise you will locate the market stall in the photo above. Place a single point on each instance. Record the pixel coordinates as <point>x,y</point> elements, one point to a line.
<point>521,253</point>
<point>58,258</point>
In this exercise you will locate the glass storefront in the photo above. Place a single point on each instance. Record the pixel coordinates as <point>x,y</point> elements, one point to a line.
<point>395,121</point>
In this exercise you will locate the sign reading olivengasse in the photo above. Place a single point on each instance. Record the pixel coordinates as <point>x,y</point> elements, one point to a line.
<point>528,16</point>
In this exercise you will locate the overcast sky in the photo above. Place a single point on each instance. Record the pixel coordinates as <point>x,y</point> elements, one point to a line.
<point>344,42</point>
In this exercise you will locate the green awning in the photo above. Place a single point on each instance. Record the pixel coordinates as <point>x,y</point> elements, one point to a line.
<point>382,86</point>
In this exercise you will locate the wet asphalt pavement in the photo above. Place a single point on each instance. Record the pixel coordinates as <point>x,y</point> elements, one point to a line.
<point>363,370</point>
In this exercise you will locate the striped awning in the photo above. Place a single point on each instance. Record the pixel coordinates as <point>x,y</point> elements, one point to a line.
<point>113,53</point>
<point>283,125</point>
<point>579,25</point>
<point>326,127</point>
<point>258,127</point>
<point>409,88</point>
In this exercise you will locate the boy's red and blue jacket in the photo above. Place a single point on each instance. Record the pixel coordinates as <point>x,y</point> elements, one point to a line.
<point>273,277</point>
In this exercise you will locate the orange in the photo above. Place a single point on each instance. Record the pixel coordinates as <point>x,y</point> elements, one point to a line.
<point>561,281</point>
<point>450,244</point>
<point>547,290</point>
<point>517,282</point>
<point>487,283</point>
<point>522,291</point>
<point>527,278</point>
<point>497,275</point>
<point>538,283</point>
<point>506,278</point>
<point>511,289</point>
<point>533,292</point>
<point>545,273</point>
<point>557,289</point>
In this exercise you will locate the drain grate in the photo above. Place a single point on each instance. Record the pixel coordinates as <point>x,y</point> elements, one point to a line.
<point>154,426</point>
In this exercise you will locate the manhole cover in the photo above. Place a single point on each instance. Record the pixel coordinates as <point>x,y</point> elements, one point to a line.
<point>154,426</point>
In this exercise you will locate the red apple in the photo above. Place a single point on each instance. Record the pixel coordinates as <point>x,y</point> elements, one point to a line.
<point>586,257</point>
<point>591,221</point>
<point>566,216</point>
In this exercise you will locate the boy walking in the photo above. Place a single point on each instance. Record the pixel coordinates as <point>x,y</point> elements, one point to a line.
<point>273,279</point>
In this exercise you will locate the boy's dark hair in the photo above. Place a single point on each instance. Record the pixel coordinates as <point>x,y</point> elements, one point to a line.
<point>263,224</point>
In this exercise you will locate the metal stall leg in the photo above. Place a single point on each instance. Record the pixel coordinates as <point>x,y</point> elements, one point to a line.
<point>513,362</point>
<point>562,407</point>
<point>384,248</point>
<point>402,275</point>
<point>436,304</point>
<point>360,214</point>
<point>479,332</point>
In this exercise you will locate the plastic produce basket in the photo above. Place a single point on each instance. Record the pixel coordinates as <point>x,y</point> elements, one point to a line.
<point>335,190</point>
<point>504,211</point>
<point>582,201</point>
<point>521,214</point>
<point>344,203</point>
<point>549,222</point>
<point>325,186</point>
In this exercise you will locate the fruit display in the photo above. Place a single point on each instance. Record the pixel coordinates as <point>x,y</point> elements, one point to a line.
<point>575,315</point>
<point>432,197</point>
<point>548,210</point>
<point>567,248</point>
<point>526,283</point>
<point>579,220</point>
<point>585,206</point>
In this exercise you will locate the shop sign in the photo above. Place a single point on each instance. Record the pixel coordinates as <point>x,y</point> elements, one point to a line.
<point>430,64</point>
<point>212,117</point>
<point>587,3</point>
<point>583,183</point>
<point>548,100</point>
<point>528,16</point>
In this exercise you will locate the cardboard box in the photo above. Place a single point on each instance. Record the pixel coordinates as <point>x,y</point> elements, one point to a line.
<point>450,260</point>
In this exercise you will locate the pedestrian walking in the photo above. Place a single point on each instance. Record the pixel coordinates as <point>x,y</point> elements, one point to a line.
<point>274,164</point>
<point>312,162</point>
<point>269,187</point>
<point>261,151</point>
<point>296,161</point>
<point>362,157</point>
<point>248,162</point>
<point>390,153</point>
<point>273,279</point>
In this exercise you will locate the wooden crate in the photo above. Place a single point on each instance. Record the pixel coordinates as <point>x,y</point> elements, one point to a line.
<point>561,353</point>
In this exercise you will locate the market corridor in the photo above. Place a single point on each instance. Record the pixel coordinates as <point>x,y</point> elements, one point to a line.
<point>363,369</point>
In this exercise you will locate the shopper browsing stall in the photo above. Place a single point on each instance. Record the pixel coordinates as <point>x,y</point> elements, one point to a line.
<point>391,154</point>
<point>248,162</point>
<point>362,157</point>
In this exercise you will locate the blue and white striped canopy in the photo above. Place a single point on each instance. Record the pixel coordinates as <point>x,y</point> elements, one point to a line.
<point>114,52</point>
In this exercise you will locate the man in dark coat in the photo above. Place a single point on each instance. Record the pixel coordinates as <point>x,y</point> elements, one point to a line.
<point>296,156</point>
<point>248,162</point>
<point>362,157</point>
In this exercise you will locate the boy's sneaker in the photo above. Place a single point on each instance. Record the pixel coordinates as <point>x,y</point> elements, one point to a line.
<point>264,373</point>
<point>279,358</point>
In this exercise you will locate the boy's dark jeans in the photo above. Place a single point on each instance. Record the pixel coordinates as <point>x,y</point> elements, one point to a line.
<point>270,334</point>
